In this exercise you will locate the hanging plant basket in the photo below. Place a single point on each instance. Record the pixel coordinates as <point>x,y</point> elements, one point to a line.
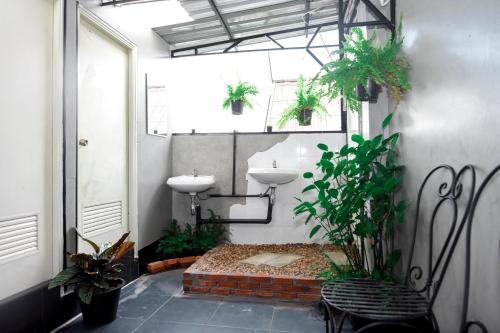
<point>103,306</point>
<point>368,96</point>
<point>237,107</point>
<point>305,117</point>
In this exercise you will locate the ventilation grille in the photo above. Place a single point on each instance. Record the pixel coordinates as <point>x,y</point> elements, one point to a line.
<point>18,236</point>
<point>102,217</point>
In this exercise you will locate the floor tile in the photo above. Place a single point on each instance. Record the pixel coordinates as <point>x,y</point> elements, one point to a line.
<point>298,320</point>
<point>187,310</point>
<point>122,325</point>
<point>218,329</point>
<point>140,306</point>
<point>153,326</point>
<point>243,315</point>
<point>166,283</point>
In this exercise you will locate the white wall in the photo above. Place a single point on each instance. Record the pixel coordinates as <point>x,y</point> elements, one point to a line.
<point>298,152</point>
<point>26,147</point>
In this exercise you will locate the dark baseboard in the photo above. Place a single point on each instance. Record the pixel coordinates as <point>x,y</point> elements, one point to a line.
<point>38,309</point>
<point>148,254</point>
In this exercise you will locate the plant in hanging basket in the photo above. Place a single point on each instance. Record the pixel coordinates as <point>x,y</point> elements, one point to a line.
<point>307,101</point>
<point>93,275</point>
<point>362,66</point>
<point>237,96</point>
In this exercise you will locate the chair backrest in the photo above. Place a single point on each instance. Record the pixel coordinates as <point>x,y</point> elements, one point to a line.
<point>449,191</point>
<point>467,324</point>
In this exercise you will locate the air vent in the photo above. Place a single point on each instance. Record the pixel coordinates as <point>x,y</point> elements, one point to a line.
<point>102,217</point>
<point>18,236</point>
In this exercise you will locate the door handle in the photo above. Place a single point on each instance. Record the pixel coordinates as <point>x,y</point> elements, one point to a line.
<point>83,142</point>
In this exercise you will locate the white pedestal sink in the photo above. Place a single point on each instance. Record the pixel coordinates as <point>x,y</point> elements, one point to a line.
<point>273,176</point>
<point>191,184</point>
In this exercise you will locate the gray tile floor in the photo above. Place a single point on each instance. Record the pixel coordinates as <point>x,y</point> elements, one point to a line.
<point>155,304</point>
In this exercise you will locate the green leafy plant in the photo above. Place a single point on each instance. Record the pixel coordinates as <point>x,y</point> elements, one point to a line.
<point>176,241</point>
<point>93,273</point>
<point>192,241</point>
<point>360,60</point>
<point>307,97</point>
<point>355,205</point>
<point>239,92</point>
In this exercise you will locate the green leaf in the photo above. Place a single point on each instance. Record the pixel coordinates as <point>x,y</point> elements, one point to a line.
<point>387,120</point>
<point>314,231</point>
<point>308,175</point>
<point>85,292</point>
<point>344,151</point>
<point>309,188</point>
<point>357,138</point>
<point>322,146</point>
<point>91,243</point>
<point>393,259</point>
<point>64,276</point>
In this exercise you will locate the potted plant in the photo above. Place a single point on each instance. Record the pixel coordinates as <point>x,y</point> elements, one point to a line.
<point>362,68</point>
<point>307,101</point>
<point>355,205</point>
<point>237,96</point>
<point>93,275</point>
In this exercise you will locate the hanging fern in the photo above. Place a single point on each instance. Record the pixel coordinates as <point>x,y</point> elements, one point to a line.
<point>239,92</point>
<point>360,60</point>
<point>307,97</point>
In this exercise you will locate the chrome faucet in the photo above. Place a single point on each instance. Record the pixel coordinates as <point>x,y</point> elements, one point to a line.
<point>274,164</point>
<point>195,173</point>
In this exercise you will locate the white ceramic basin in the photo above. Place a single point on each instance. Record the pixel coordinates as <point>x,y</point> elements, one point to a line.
<point>191,184</point>
<point>273,176</point>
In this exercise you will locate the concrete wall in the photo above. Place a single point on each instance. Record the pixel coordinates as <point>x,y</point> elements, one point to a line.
<point>451,116</point>
<point>212,154</point>
<point>154,197</point>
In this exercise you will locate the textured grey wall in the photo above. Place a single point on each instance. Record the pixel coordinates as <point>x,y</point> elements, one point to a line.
<point>154,196</point>
<point>212,154</point>
<point>452,116</point>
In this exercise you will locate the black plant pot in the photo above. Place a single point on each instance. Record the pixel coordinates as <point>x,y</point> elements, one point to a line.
<point>103,306</point>
<point>237,107</point>
<point>305,117</point>
<point>370,96</point>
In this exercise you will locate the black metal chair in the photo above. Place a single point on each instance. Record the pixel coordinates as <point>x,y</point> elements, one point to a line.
<point>380,306</point>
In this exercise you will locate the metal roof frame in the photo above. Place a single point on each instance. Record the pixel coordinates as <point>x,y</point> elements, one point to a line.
<point>214,34</point>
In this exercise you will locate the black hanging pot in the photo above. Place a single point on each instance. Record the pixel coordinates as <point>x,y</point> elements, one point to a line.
<point>305,117</point>
<point>103,305</point>
<point>237,107</point>
<point>368,96</point>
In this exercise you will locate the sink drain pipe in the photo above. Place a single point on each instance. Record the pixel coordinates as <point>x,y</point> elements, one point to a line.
<point>267,220</point>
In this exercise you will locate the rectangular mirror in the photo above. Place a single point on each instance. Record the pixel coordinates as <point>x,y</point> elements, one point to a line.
<point>156,106</point>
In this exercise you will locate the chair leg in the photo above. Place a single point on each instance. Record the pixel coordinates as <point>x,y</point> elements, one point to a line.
<point>327,316</point>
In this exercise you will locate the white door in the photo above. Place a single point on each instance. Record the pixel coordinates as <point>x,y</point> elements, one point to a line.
<point>103,134</point>
<point>28,103</point>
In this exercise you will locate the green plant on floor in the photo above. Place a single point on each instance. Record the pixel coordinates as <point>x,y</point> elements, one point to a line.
<point>307,101</point>
<point>93,273</point>
<point>175,242</point>
<point>359,61</point>
<point>192,241</point>
<point>354,203</point>
<point>240,92</point>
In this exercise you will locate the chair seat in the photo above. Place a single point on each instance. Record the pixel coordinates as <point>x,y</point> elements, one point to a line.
<point>375,300</point>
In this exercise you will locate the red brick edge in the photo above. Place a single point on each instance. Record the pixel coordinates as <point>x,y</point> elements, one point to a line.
<point>160,266</point>
<point>275,287</point>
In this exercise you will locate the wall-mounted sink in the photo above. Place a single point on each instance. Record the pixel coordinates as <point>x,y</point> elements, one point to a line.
<point>191,184</point>
<point>273,176</point>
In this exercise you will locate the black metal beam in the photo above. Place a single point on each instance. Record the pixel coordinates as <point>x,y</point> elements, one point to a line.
<point>233,40</point>
<point>221,19</point>
<point>378,14</point>
<point>275,42</point>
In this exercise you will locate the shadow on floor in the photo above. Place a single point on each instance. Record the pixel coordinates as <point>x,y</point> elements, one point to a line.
<point>155,304</point>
